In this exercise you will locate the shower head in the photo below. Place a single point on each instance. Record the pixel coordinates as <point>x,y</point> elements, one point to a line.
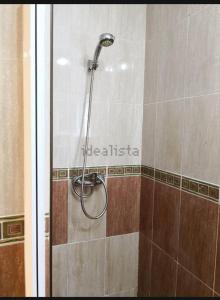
<point>105,40</point>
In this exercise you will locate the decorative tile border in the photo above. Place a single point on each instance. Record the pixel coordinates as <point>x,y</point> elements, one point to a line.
<point>200,188</point>
<point>168,178</point>
<point>147,171</point>
<point>124,170</point>
<point>11,229</point>
<point>64,174</point>
<point>190,185</point>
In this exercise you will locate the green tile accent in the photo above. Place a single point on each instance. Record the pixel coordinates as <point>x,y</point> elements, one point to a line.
<point>63,173</point>
<point>163,176</point>
<point>136,170</point>
<point>116,170</point>
<point>55,174</point>
<point>200,188</point>
<point>12,229</point>
<point>193,186</point>
<point>157,174</point>
<point>128,170</point>
<point>203,189</point>
<point>214,192</point>
<point>102,170</point>
<point>147,171</point>
<point>185,183</point>
<point>73,172</point>
<point>177,181</point>
<point>168,178</point>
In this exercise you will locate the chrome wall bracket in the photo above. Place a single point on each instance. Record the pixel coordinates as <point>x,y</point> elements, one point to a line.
<point>92,65</point>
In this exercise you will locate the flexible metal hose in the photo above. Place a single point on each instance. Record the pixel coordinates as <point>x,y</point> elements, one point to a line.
<point>82,195</point>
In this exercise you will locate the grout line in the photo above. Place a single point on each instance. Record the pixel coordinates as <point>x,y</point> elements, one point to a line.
<point>12,242</point>
<point>164,252</point>
<point>179,264</point>
<point>96,239</point>
<point>177,267</point>
<point>200,196</point>
<point>105,267</point>
<point>217,92</point>
<point>152,234</point>
<point>155,135</point>
<point>186,52</point>
<point>216,250</point>
<point>151,255</point>
<point>193,275</point>
<point>67,271</point>
<point>11,217</point>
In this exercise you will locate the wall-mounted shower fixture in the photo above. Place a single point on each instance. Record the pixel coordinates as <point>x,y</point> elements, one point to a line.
<point>92,179</point>
<point>105,40</point>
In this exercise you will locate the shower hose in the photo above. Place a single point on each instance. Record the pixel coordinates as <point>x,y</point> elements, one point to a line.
<point>83,195</point>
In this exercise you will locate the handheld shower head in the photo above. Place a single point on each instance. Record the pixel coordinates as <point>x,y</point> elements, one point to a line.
<point>105,40</point>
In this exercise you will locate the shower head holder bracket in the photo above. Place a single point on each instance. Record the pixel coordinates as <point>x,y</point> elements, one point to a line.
<point>92,65</point>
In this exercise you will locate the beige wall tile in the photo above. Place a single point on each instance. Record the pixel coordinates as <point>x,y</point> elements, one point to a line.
<point>203,67</point>
<point>119,77</point>
<point>11,137</point>
<point>161,18</point>
<point>11,32</point>
<point>148,134</point>
<point>151,75</point>
<point>86,268</point>
<point>80,228</point>
<point>196,8</point>
<point>59,270</point>
<point>201,144</point>
<point>172,51</point>
<point>129,293</point>
<point>169,129</point>
<point>166,42</point>
<point>121,272</point>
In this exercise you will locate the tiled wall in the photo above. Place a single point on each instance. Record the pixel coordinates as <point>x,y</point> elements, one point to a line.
<point>118,87</point>
<point>97,257</point>
<point>11,153</point>
<point>179,251</point>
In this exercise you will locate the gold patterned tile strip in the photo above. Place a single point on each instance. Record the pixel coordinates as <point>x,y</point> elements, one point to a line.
<point>11,229</point>
<point>147,171</point>
<point>200,188</point>
<point>63,174</point>
<point>124,170</point>
<point>168,178</point>
<point>188,184</point>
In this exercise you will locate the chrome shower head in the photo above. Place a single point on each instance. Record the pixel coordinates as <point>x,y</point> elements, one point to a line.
<point>105,40</point>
